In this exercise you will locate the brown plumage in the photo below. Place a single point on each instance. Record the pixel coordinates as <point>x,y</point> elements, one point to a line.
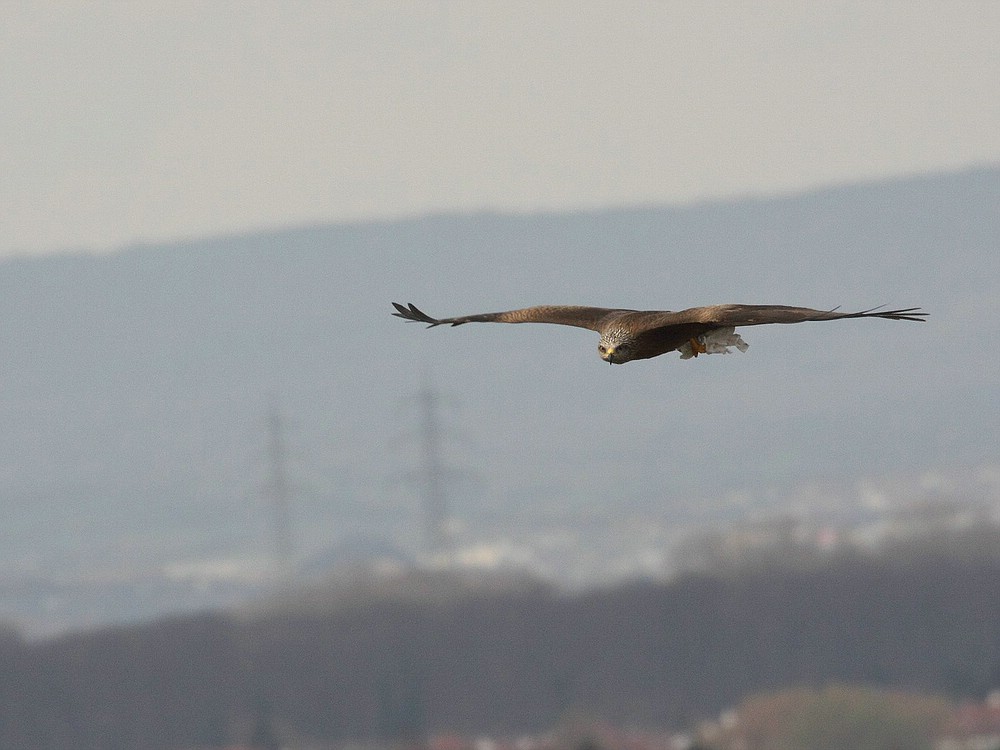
<point>635,334</point>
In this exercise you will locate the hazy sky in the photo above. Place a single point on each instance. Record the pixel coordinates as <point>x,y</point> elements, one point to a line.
<point>149,120</point>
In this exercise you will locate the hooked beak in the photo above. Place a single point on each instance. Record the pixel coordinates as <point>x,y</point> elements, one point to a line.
<point>609,355</point>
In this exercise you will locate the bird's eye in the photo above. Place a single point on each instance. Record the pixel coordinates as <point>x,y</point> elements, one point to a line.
<point>602,348</point>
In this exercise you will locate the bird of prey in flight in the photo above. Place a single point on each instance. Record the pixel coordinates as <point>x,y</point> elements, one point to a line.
<point>640,334</point>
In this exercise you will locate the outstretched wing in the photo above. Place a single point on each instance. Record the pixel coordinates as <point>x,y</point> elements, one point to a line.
<point>756,315</point>
<point>565,315</point>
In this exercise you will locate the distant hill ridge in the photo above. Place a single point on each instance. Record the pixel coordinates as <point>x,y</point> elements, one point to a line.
<point>134,385</point>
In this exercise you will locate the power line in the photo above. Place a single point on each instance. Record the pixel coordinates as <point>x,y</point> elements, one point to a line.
<point>432,477</point>
<point>435,501</point>
<point>279,496</point>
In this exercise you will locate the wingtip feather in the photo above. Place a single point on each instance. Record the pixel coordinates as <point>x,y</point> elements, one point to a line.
<point>412,313</point>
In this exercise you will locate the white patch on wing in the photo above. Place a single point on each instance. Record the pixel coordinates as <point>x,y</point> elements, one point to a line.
<point>716,341</point>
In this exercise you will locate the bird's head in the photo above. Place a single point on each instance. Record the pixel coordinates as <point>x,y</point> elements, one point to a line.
<point>616,347</point>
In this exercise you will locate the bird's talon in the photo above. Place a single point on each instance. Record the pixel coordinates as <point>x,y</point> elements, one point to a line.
<point>697,347</point>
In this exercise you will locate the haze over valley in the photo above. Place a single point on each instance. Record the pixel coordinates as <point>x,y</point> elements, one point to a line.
<point>137,387</point>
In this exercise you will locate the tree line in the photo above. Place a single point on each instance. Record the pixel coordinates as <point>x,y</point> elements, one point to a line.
<point>648,654</point>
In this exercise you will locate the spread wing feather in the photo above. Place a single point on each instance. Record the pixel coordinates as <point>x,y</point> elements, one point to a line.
<point>755,315</point>
<point>658,322</point>
<point>566,315</point>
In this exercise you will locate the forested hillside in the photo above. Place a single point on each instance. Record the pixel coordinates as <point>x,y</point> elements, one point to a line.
<point>653,655</point>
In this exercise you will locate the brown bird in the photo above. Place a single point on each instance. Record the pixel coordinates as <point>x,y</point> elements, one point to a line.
<point>637,334</point>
